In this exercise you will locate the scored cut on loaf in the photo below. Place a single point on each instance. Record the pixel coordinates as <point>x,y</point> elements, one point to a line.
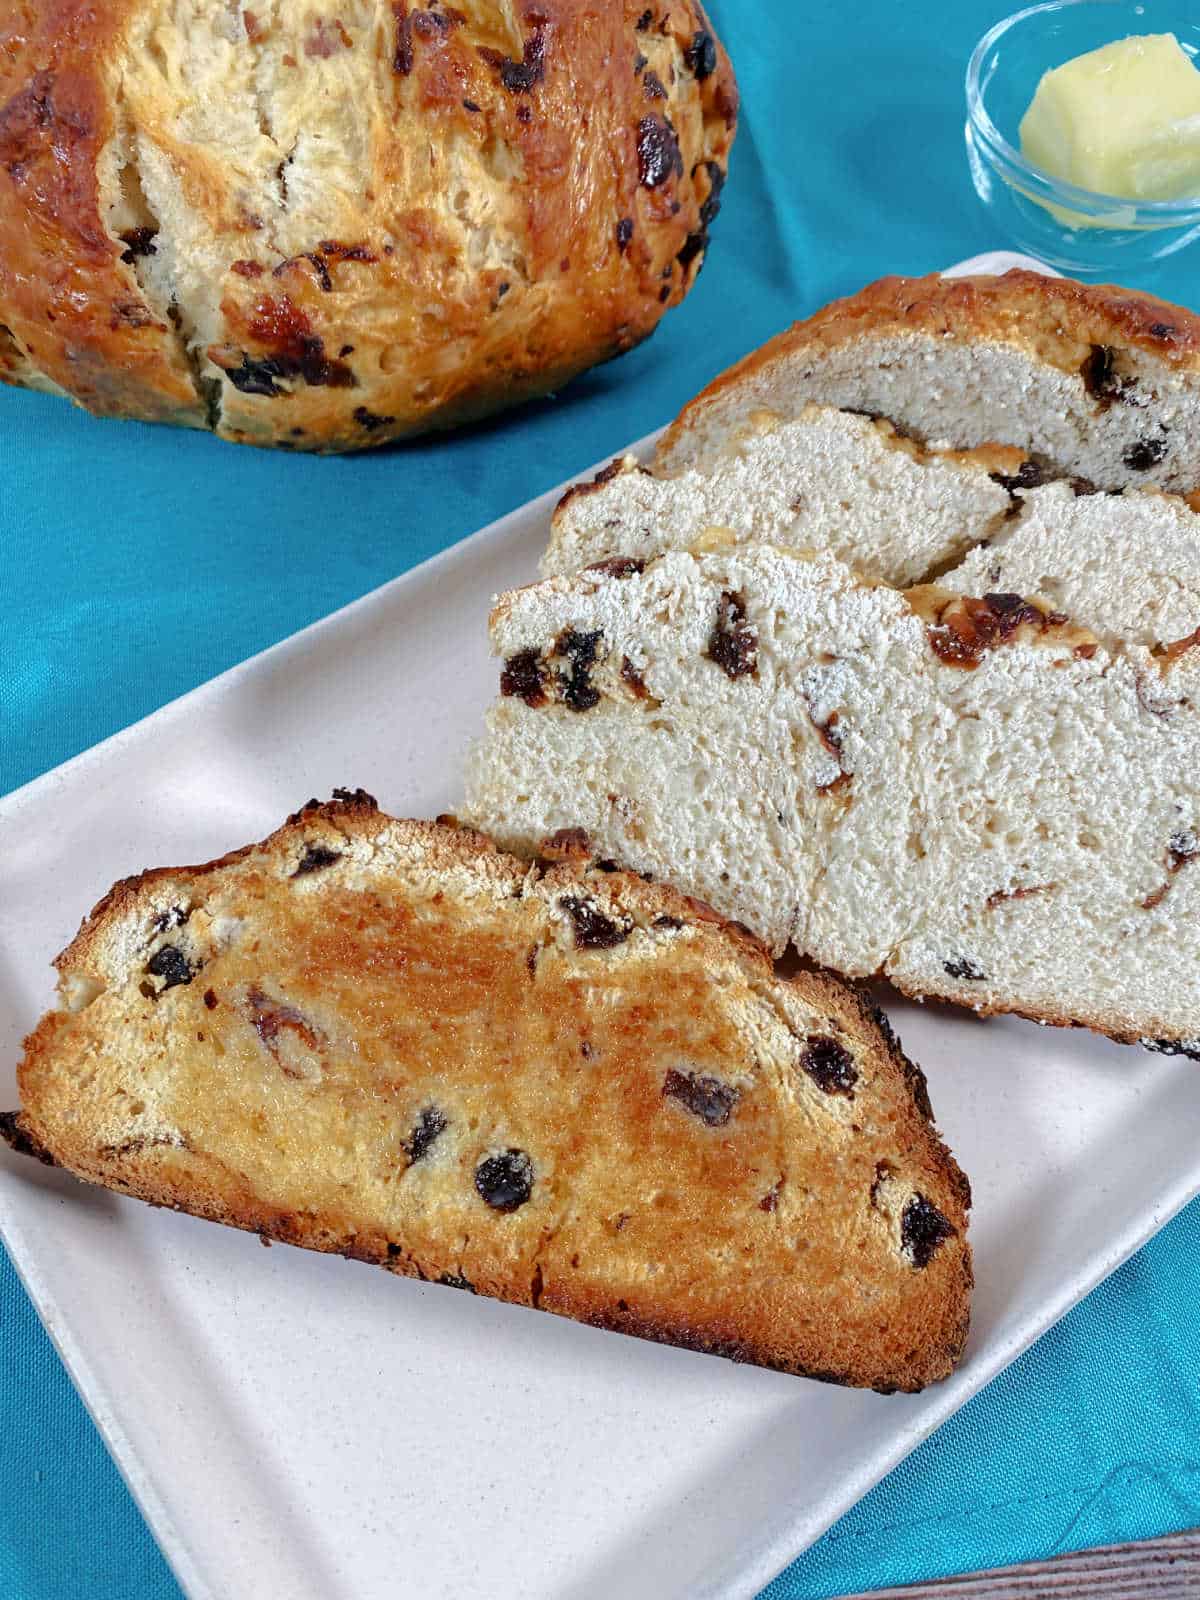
<point>972,797</point>
<point>551,1083</point>
<point>825,480</point>
<point>1094,380</point>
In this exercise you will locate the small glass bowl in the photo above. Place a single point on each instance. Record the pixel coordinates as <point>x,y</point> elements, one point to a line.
<point>1003,74</point>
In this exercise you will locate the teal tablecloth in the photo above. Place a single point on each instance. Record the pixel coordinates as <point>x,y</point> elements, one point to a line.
<point>137,562</point>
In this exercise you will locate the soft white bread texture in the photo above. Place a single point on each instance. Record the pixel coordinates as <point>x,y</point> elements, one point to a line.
<point>1098,382</point>
<point>550,1083</point>
<point>1127,565</point>
<point>972,797</point>
<point>825,480</point>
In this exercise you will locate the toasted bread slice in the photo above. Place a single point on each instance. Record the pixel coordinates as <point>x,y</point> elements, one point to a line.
<point>554,1084</point>
<point>972,796</point>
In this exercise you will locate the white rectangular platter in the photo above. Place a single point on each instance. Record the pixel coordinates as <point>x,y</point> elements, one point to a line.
<point>298,1426</point>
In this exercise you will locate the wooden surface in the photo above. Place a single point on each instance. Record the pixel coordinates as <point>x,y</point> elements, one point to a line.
<point>1159,1569</point>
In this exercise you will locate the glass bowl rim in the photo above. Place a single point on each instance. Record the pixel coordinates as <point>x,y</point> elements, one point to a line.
<point>1036,180</point>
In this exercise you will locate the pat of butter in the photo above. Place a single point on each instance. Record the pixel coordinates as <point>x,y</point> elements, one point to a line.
<point>1123,120</point>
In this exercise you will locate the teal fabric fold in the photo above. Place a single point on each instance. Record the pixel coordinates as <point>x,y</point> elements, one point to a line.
<point>139,562</point>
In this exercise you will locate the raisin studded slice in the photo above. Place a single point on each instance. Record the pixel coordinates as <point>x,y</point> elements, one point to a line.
<point>370,420</point>
<point>138,242</point>
<point>172,917</point>
<point>618,566</point>
<point>631,676</point>
<point>505,1181</point>
<point>519,77</point>
<point>716,180</point>
<point>1029,475</point>
<point>429,1127</point>
<point>171,965</point>
<point>973,625</point>
<point>922,1229</point>
<point>1182,847</point>
<point>830,1065</point>
<point>707,1098</point>
<point>1103,382</point>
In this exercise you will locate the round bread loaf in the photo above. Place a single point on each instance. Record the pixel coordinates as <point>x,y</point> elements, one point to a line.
<point>327,229</point>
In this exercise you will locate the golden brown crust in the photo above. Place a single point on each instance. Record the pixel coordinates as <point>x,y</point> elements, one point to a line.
<point>603,172</point>
<point>1058,320</point>
<point>73,310</point>
<point>619,1231</point>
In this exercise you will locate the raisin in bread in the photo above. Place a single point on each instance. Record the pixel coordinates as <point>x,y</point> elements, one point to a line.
<point>553,1084</point>
<point>1096,381</point>
<point>825,480</point>
<point>973,797</point>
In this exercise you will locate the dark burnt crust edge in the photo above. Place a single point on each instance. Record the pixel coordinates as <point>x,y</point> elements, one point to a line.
<point>17,1134</point>
<point>742,1352</point>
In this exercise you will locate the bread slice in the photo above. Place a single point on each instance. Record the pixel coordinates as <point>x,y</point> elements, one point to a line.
<point>973,797</point>
<point>553,1084</point>
<point>1127,565</point>
<point>825,480</point>
<point>1096,381</point>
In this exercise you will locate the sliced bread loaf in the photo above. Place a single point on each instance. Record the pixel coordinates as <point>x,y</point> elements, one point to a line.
<point>825,480</point>
<point>1098,382</point>
<point>972,797</point>
<point>553,1084</point>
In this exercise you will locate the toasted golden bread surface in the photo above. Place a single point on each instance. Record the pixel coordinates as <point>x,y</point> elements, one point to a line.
<point>552,1083</point>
